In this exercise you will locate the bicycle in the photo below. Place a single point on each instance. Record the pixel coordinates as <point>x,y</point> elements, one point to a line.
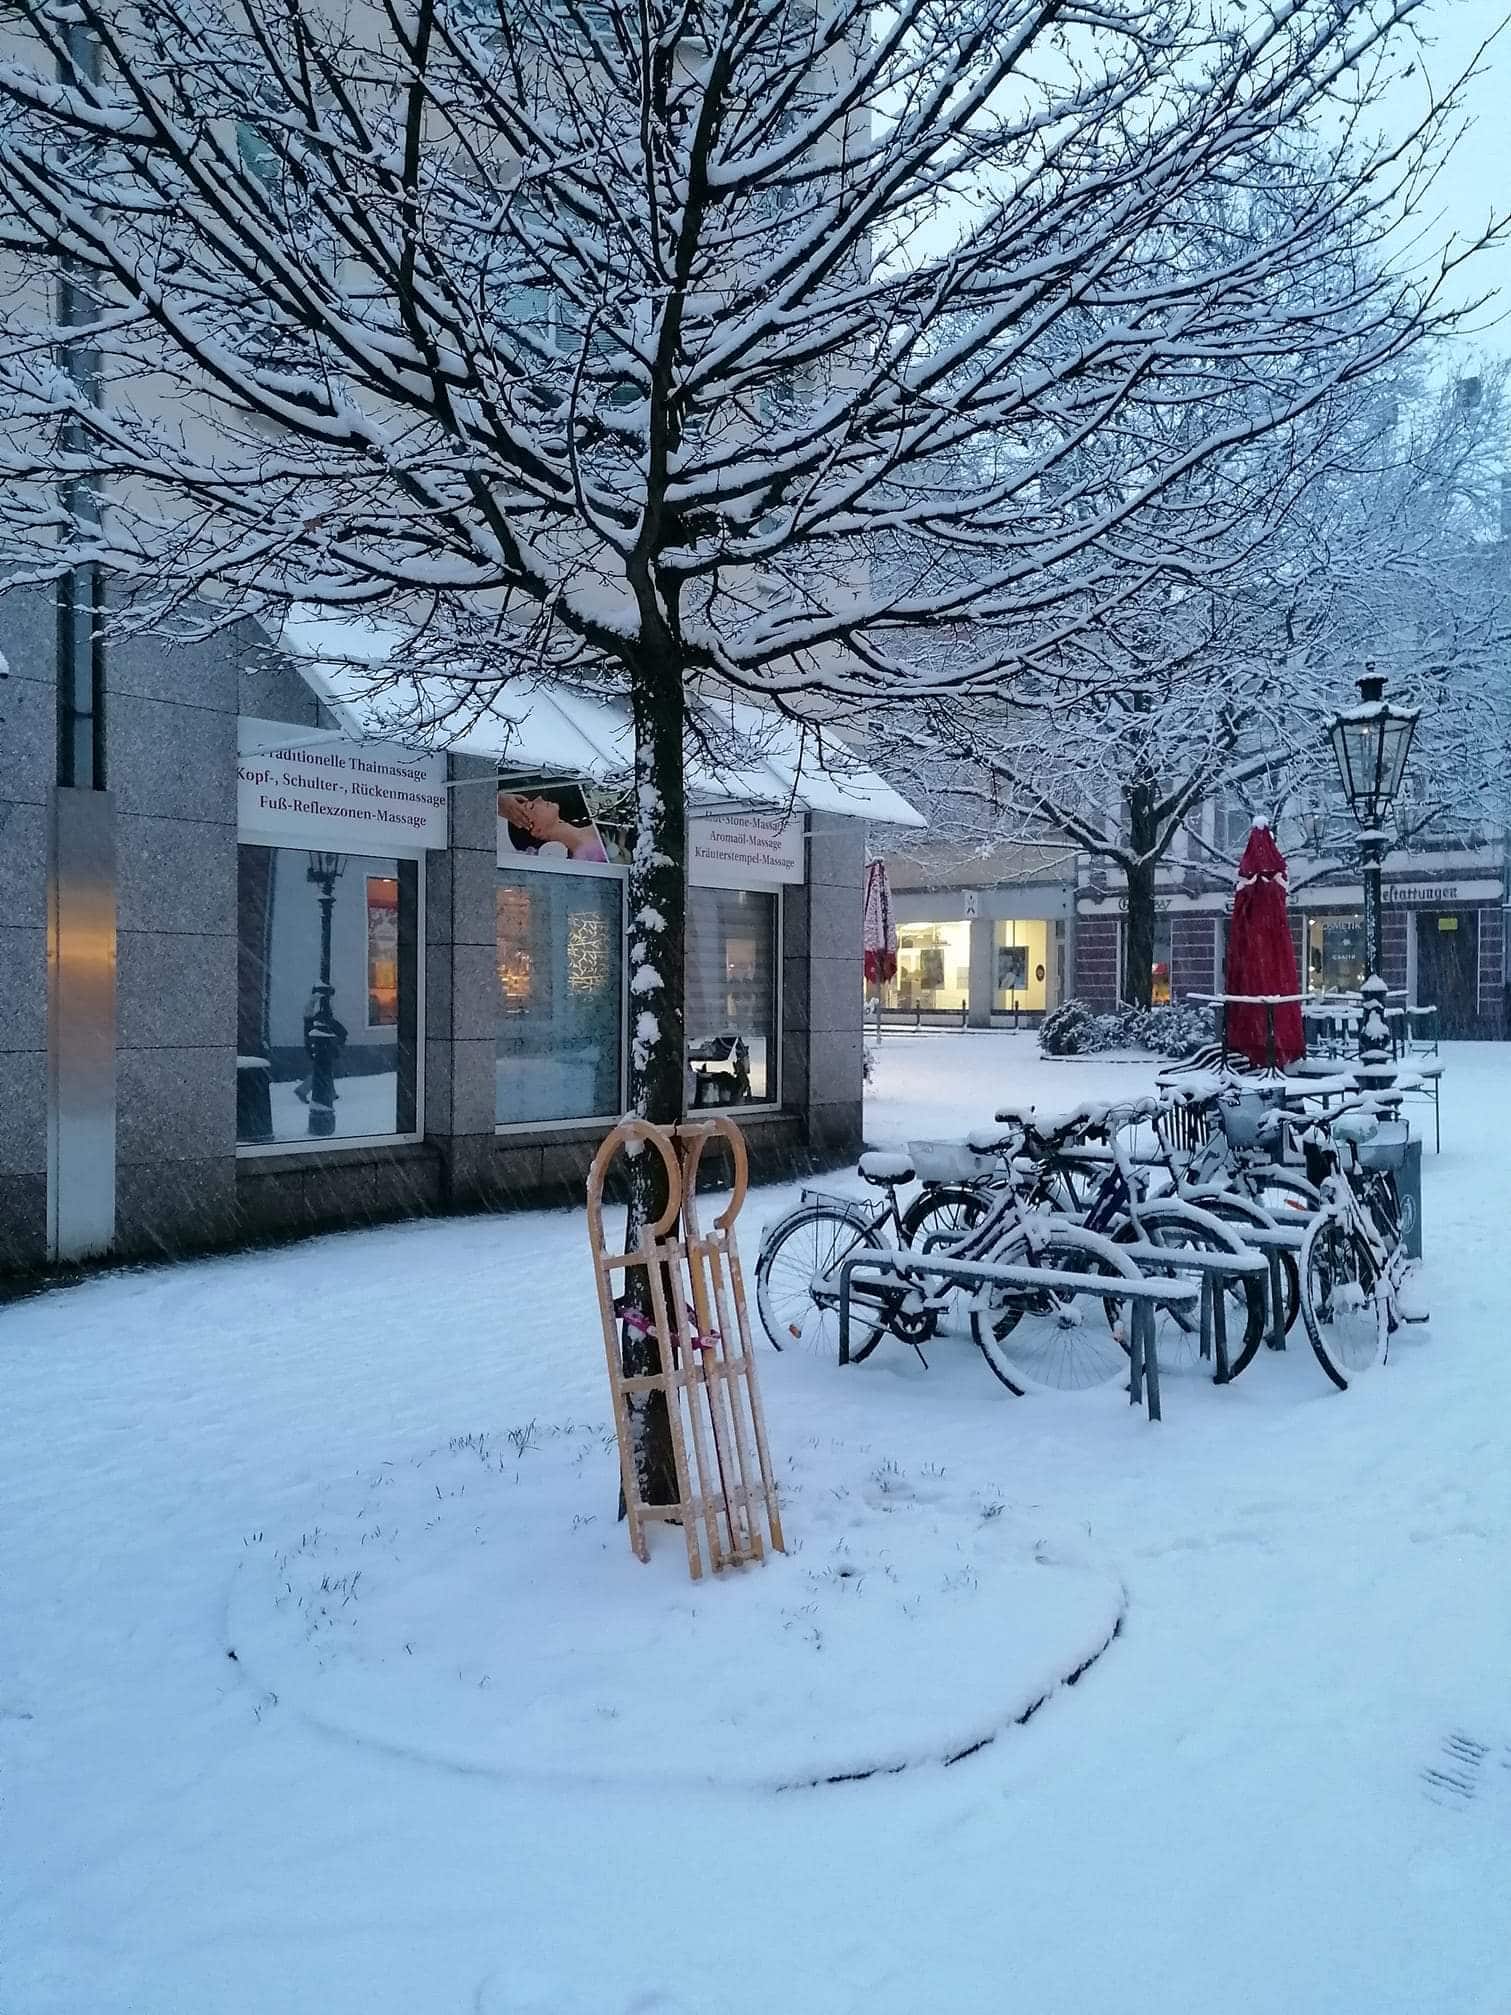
<point>1113,1200</point>
<point>797,1285</point>
<point>811,1242</point>
<point>1031,1340</point>
<point>1217,1148</point>
<point>1353,1263</point>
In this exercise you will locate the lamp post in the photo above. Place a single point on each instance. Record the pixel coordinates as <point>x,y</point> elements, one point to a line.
<point>324,1035</point>
<point>1371,743</point>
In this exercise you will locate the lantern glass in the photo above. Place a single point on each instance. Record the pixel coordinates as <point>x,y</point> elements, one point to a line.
<point>1371,747</point>
<point>326,868</point>
<point>1395,746</point>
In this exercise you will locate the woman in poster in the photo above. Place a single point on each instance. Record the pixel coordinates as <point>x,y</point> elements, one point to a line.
<point>551,822</point>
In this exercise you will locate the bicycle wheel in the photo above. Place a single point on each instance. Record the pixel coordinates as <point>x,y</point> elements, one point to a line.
<point>1177,1331</point>
<point>942,1213</point>
<point>1240,1211</point>
<point>808,1246</point>
<point>1283,1194</point>
<point>1345,1317</point>
<point>1036,1340</point>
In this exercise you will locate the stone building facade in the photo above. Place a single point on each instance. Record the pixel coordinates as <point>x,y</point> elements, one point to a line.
<point>126,1081</point>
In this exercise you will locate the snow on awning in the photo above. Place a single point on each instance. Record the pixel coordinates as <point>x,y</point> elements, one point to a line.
<point>541,729</point>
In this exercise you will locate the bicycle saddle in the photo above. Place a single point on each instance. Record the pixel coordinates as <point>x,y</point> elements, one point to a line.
<point>1356,1127</point>
<point>886,1171</point>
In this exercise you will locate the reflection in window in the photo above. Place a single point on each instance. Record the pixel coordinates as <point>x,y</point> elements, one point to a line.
<point>589,951</point>
<point>1163,960</point>
<point>382,951</point>
<point>327,985</point>
<point>1335,954</point>
<point>514,954</point>
<point>560,976</point>
<point>731,996</point>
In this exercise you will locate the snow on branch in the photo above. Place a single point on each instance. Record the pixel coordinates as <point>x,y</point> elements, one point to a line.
<point>746,338</point>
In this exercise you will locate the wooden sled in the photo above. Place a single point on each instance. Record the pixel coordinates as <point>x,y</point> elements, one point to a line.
<point>695,1294</point>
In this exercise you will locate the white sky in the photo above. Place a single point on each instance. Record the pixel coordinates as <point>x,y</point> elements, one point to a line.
<point>1477,181</point>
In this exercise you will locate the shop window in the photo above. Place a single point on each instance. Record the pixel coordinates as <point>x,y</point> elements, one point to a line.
<point>1335,954</point>
<point>560,941</point>
<point>1020,965</point>
<point>327,992</point>
<point>731,997</point>
<point>933,968</point>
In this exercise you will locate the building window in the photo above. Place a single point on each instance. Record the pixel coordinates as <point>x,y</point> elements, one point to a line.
<point>1163,961</point>
<point>731,997</point>
<point>1020,965</point>
<point>1335,954</point>
<point>1232,823</point>
<point>933,968</point>
<point>327,996</point>
<point>560,940</point>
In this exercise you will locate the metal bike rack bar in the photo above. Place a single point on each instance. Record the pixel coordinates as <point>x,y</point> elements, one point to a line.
<point>1145,1296</point>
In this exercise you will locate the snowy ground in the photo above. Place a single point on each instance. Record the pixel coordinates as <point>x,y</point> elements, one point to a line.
<point>1286,1786</point>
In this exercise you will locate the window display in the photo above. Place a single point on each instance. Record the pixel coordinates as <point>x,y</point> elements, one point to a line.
<point>1020,953</point>
<point>731,997</point>
<point>560,1007</point>
<point>1335,953</point>
<point>327,992</point>
<point>933,968</point>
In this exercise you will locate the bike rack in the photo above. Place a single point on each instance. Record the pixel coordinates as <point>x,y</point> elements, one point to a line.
<point>1145,1295</point>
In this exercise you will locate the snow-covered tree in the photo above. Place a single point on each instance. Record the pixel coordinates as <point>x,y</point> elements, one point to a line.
<point>1371,535</point>
<point>629,343</point>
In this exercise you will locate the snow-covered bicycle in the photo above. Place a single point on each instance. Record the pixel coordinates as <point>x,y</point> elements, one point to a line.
<point>1355,1274</point>
<point>1021,1214</point>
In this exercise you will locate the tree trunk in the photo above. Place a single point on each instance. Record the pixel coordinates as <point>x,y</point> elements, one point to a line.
<point>657,986</point>
<point>1138,927</point>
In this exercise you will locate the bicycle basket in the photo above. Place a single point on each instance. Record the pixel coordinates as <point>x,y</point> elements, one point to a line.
<point>1183,1128</point>
<point>947,1161</point>
<point>1242,1114</point>
<point>1387,1149</point>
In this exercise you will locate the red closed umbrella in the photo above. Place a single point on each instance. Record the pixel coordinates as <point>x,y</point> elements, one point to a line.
<point>1262,959</point>
<point>879,942</point>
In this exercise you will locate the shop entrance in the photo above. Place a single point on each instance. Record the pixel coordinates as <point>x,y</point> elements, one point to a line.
<point>1448,964</point>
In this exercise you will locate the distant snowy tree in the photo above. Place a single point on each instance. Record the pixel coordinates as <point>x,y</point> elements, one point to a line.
<point>630,343</point>
<point>1372,534</point>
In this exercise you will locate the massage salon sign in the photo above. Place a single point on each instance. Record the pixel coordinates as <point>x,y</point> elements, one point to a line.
<point>733,852</point>
<point>307,787</point>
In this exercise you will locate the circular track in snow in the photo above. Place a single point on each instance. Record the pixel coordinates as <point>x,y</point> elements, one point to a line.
<point>478,1606</point>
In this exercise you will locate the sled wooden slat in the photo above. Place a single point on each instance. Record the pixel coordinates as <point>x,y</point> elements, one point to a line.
<point>690,1294</point>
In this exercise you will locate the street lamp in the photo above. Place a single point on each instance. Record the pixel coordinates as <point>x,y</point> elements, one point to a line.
<point>323,1034</point>
<point>1371,743</point>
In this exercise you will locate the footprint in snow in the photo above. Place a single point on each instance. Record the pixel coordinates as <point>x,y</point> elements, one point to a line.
<point>1469,1772</point>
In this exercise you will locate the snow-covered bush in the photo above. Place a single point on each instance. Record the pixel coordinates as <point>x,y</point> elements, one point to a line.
<point>1070,1030</point>
<point>1177,1030</point>
<point>1074,1029</point>
<point>868,1063</point>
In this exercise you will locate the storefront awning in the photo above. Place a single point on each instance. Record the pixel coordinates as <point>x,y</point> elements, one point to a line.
<point>548,730</point>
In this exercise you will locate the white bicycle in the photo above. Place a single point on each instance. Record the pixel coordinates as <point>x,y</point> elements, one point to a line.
<point>1353,1262</point>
